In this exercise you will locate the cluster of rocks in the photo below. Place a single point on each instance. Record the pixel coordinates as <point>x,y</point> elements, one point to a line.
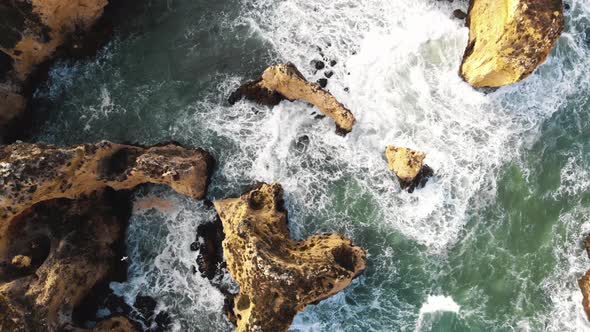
<point>64,210</point>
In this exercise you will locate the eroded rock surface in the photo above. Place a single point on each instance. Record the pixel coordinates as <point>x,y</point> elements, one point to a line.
<point>70,247</point>
<point>286,82</point>
<point>32,173</point>
<point>408,165</point>
<point>278,276</point>
<point>509,39</point>
<point>31,32</point>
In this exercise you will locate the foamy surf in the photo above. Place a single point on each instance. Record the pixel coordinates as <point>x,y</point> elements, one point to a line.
<point>436,304</point>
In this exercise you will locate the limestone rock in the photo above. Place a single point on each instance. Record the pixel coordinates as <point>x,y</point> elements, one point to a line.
<point>69,246</point>
<point>30,34</point>
<point>278,276</point>
<point>408,165</point>
<point>509,39</point>
<point>21,261</point>
<point>32,173</point>
<point>286,82</point>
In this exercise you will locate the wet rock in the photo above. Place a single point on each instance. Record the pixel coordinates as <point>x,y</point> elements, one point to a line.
<point>323,82</point>
<point>279,277</point>
<point>408,166</point>
<point>458,13</point>
<point>509,39</point>
<point>210,259</point>
<point>319,65</point>
<point>329,74</point>
<point>286,82</point>
<point>83,234</point>
<point>32,173</point>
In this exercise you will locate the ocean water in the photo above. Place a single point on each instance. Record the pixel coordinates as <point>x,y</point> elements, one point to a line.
<point>492,243</point>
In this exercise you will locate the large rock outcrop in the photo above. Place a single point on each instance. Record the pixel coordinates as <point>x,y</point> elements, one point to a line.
<point>286,82</point>
<point>509,39</point>
<point>31,32</point>
<point>408,165</point>
<point>32,173</point>
<point>69,246</point>
<point>278,276</point>
<point>63,213</point>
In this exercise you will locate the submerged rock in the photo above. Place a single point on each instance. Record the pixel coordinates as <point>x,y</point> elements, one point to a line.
<point>32,173</point>
<point>286,82</point>
<point>509,39</point>
<point>278,276</point>
<point>408,165</point>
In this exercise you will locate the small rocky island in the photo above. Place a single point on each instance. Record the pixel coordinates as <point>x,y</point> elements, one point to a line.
<point>285,82</point>
<point>509,39</point>
<point>278,276</point>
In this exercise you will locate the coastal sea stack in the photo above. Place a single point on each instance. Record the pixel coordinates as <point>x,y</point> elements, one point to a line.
<point>509,39</point>
<point>408,165</point>
<point>278,276</point>
<point>285,81</point>
<point>63,215</point>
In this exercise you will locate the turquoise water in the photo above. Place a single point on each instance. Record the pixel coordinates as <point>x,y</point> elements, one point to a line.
<point>492,243</point>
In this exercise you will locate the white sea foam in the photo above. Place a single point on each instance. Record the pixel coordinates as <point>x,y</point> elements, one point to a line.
<point>436,304</point>
<point>161,264</point>
<point>567,313</point>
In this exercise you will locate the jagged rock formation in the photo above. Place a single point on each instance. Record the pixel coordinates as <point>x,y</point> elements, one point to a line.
<point>408,165</point>
<point>509,39</point>
<point>32,173</point>
<point>278,276</point>
<point>70,249</point>
<point>30,34</point>
<point>286,82</point>
<point>62,223</point>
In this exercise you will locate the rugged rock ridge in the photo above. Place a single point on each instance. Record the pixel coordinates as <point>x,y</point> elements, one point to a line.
<point>62,222</point>
<point>70,247</point>
<point>286,82</point>
<point>408,165</point>
<point>32,173</point>
<point>278,276</point>
<point>509,39</point>
<point>31,31</point>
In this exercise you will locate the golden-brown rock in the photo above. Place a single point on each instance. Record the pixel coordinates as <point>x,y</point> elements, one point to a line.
<point>509,39</point>
<point>70,248</point>
<point>286,82</point>
<point>278,276</point>
<point>48,25</point>
<point>32,173</point>
<point>408,165</point>
<point>31,32</point>
<point>584,284</point>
